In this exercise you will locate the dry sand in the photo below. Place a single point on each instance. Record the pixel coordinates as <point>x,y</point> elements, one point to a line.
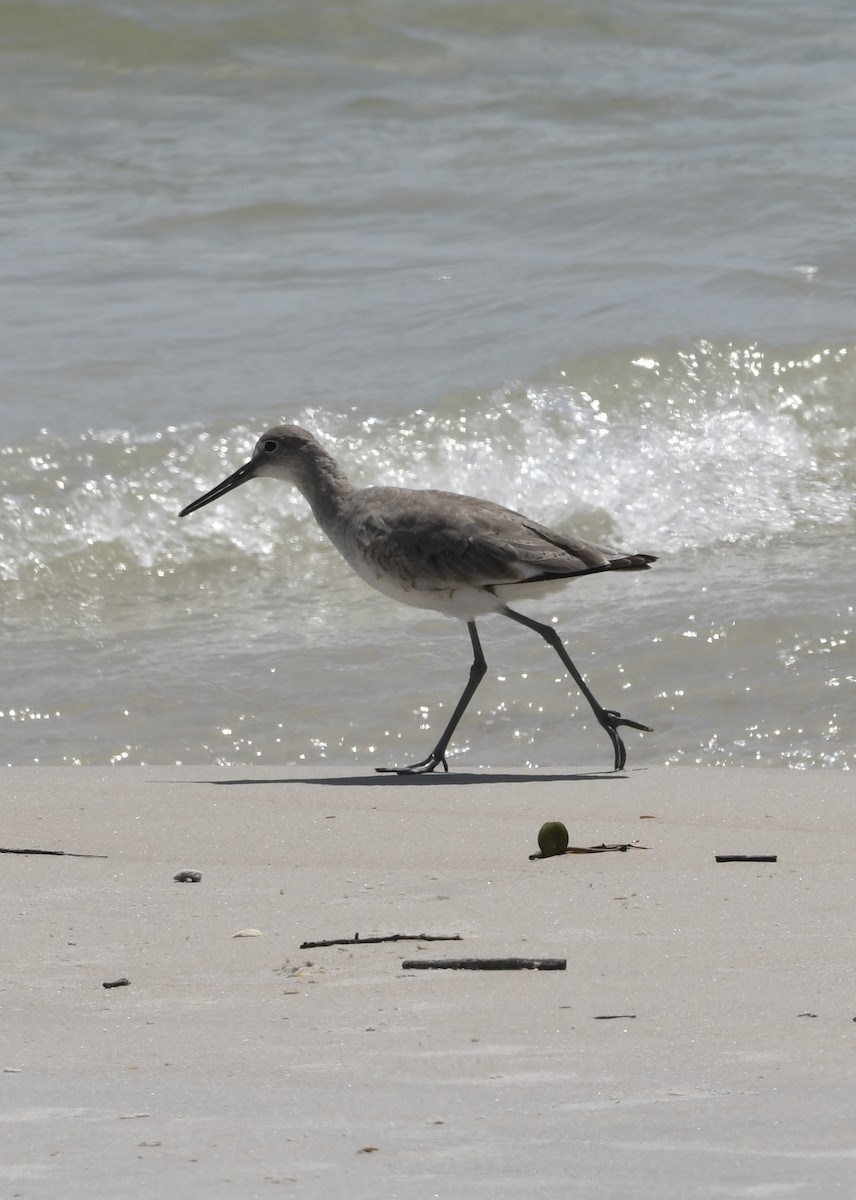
<point>247,1067</point>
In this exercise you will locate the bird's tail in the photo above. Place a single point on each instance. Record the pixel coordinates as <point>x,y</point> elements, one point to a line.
<point>632,562</point>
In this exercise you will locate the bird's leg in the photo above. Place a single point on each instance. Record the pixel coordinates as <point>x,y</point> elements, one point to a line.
<point>608,717</point>
<point>438,754</point>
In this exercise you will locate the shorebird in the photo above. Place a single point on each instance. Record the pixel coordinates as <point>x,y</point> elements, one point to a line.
<point>457,555</point>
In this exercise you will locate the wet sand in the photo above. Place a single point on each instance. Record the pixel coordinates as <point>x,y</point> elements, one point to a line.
<point>700,1042</point>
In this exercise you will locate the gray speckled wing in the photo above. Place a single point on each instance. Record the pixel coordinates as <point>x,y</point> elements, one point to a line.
<point>432,539</point>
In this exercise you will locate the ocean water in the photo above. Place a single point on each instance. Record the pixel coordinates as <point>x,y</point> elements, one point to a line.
<point>595,261</point>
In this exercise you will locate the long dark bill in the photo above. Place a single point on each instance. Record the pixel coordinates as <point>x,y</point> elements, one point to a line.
<point>247,471</point>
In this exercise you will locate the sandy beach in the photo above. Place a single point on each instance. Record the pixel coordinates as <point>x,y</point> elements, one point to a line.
<point>700,1042</point>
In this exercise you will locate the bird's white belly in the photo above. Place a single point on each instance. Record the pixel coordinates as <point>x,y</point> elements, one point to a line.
<point>460,600</point>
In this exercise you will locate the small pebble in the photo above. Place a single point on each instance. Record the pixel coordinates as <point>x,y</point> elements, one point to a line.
<point>188,877</point>
<point>116,983</point>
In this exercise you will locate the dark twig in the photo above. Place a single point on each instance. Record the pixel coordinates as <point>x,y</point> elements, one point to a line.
<point>747,858</point>
<point>622,847</point>
<point>67,853</point>
<point>356,940</point>
<point>486,964</point>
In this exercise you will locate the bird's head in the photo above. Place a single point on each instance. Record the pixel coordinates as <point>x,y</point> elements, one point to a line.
<point>278,453</point>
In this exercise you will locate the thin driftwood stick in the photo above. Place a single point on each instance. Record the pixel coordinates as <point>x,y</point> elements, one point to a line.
<point>747,858</point>
<point>622,847</point>
<point>67,853</point>
<point>485,964</point>
<point>356,940</point>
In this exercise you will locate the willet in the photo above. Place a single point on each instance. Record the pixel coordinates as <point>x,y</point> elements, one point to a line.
<point>457,555</point>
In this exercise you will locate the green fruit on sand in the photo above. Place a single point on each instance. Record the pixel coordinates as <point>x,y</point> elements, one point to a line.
<point>552,838</point>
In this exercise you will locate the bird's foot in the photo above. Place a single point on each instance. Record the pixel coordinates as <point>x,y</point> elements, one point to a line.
<point>421,768</point>
<point>610,720</point>
<point>614,718</point>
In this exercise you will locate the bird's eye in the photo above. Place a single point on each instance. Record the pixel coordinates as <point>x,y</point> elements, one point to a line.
<point>270,447</point>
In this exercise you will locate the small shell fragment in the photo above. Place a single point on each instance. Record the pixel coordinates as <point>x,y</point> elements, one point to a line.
<point>248,933</point>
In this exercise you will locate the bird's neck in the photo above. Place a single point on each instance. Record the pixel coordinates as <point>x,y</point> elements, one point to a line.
<point>324,485</point>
